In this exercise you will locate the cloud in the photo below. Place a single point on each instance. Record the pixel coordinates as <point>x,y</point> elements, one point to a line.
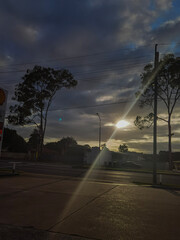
<point>163,4</point>
<point>168,32</point>
<point>104,43</point>
<point>109,125</point>
<point>104,98</point>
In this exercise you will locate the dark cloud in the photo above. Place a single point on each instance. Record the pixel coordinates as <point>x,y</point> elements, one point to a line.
<point>105,44</point>
<point>167,33</point>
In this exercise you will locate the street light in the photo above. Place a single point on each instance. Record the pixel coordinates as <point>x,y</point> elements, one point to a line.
<point>99,130</point>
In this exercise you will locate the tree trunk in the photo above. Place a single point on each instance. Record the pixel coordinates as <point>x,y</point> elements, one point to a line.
<point>169,144</point>
<point>40,137</point>
<point>41,142</point>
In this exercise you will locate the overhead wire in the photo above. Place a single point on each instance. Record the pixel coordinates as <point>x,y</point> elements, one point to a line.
<point>128,62</point>
<point>76,57</point>
<point>81,75</point>
<point>125,67</point>
<point>84,56</point>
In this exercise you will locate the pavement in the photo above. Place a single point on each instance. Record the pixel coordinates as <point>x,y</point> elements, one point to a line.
<point>37,206</point>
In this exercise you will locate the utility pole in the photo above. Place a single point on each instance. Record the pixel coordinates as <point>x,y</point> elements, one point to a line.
<point>99,130</point>
<point>156,60</point>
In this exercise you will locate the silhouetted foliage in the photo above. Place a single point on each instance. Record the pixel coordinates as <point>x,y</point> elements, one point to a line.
<point>123,148</point>
<point>62,145</point>
<point>70,152</point>
<point>34,139</point>
<point>53,146</point>
<point>35,94</point>
<point>144,122</point>
<point>66,142</point>
<point>86,146</point>
<point>168,91</point>
<point>13,142</point>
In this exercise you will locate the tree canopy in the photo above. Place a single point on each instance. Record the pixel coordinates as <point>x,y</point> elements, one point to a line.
<point>13,142</point>
<point>34,96</point>
<point>168,91</point>
<point>62,145</point>
<point>168,84</point>
<point>123,148</point>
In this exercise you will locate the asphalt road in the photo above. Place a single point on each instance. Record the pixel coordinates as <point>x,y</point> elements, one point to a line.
<point>98,175</point>
<point>52,207</point>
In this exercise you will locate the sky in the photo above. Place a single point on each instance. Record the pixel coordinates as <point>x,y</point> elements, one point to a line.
<point>105,44</point>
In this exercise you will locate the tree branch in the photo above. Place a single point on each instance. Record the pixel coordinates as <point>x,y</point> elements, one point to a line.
<point>162,119</point>
<point>163,100</point>
<point>177,95</point>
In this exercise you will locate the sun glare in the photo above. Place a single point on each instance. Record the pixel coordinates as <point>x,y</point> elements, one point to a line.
<point>122,124</point>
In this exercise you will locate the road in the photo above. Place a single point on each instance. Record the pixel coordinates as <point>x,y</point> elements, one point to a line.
<point>98,175</point>
<point>52,207</point>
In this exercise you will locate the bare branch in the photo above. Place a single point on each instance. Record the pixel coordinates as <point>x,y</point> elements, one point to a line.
<point>164,100</point>
<point>162,119</point>
<point>177,96</point>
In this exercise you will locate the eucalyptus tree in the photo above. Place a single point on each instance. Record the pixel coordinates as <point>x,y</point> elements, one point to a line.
<point>168,91</point>
<point>35,94</point>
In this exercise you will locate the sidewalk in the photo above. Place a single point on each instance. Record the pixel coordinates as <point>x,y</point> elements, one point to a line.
<point>39,207</point>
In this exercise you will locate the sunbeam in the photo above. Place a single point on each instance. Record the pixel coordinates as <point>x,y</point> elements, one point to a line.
<point>69,205</point>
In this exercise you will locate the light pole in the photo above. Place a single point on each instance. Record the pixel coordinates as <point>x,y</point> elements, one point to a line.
<point>156,60</point>
<point>99,130</point>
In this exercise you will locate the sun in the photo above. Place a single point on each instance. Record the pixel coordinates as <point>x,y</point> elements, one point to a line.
<point>122,124</point>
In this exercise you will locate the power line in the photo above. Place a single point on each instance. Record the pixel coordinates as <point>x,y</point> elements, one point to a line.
<point>104,61</point>
<point>123,66</point>
<point>84,56</point>
<point>109,69</point>
<point>74,57</point>
<point>91,106</point>
<point>65,58</point>
<point>86,106</point>
<point>128,63</point>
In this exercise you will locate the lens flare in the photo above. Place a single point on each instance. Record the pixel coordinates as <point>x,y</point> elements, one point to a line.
<point>89,174</point>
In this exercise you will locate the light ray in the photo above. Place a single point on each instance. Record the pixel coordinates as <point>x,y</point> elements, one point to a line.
<point>93,166</point>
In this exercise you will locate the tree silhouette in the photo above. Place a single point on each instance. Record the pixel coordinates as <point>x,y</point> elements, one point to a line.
<point>62,145</point>
<point>168,85</point>
<point>13,142</point>
<point>34,139</point>
<point>65,143</point>
<point>123,148</point>
<point>35,94</point>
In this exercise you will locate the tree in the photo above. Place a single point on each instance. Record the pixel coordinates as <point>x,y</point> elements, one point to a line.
<point>34,139</point>
<point>13,142</point>
<point>65,143</point>
<point>168,85</point>
<point>87,146</point>
<point>123,148</point>
<point>103,146</point>
<point>35,94</point>
<point>62,145</point>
